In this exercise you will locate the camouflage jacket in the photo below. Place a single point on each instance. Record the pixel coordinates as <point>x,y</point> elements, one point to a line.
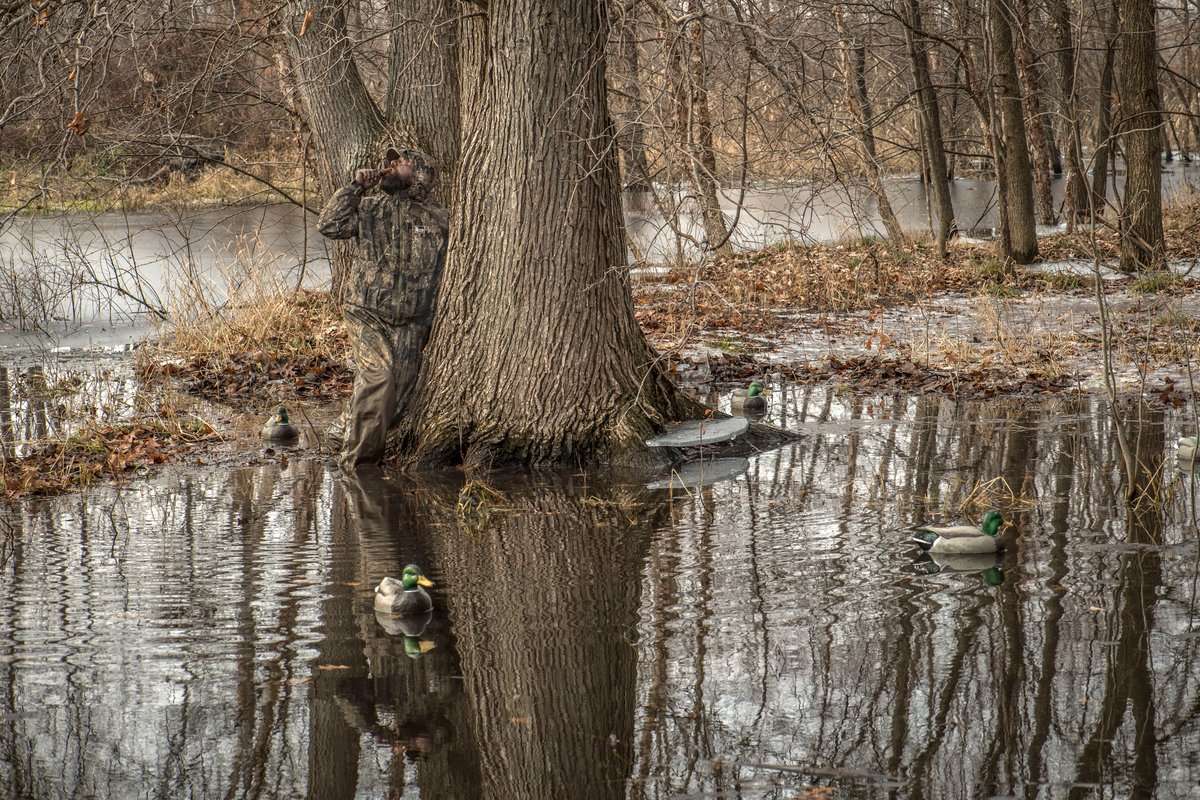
<point>401,246</point>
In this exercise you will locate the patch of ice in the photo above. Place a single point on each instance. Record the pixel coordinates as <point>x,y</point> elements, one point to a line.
<point>1075,266</point>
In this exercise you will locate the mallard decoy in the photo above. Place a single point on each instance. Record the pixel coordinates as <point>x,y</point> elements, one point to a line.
<point>1187,448</point>
<point>749,400</point>
<point>279,428</point>
<point>404,597</point>
<point>961,539</point>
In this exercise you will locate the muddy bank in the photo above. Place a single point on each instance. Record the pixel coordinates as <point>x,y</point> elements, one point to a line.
<point>871,318</point>
<point>74,418</point>
<point>961,344</point>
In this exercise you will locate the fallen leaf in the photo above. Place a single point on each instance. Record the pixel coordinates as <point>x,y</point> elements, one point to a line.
<point>78,124</point>
<point>309,16</point>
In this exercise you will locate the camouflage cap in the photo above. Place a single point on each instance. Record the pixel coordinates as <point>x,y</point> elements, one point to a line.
<point>424,174</point>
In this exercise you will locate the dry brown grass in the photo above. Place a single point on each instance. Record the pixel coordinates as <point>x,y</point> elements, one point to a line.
<point>997,494</point>
<point>262,349</point>
<point>748,290</point>
<point>87,188</point>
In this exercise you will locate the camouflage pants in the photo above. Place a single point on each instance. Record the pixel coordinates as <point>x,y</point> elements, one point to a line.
<point>386,365</point>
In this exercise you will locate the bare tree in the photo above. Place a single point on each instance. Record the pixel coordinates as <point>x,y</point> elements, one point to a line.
<point>1014,173</point>
<point>931,127</point>
<point>1040,142</point>
<point>1141,137</point>
<point>858,100</point>
<point>625,99</point>
<point>1076,187</point>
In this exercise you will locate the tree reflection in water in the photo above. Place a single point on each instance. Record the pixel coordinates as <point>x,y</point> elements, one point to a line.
<point>211,634</point>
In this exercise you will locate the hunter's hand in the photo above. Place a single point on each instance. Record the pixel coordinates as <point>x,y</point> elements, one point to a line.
<point>366,178</point>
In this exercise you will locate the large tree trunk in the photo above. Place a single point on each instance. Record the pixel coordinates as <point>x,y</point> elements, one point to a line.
<point>535,355</point>
<point>931,127</point>
<point>1013,171</point>
<point>1076,198</point>
<point>345,121</point>
<point>423,97</point>
<point>1039,142</point>
<point>854,70</point>
<point>1104,100</point>
<point>1141,137</point>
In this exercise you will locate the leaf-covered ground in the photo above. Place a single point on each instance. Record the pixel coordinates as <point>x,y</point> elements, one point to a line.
<point>101,452</point>
<point>870,317</point>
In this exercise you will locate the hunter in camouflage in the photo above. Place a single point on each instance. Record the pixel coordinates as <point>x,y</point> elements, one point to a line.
<point>401,246</point>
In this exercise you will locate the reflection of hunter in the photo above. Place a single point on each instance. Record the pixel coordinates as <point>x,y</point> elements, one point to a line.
<point>401,245</point>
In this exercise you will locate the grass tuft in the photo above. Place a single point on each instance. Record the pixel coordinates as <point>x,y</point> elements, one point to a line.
<point>268,348</point>
<point>1154,282</point>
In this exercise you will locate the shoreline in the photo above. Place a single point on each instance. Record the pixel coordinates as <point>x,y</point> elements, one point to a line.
<point>859,318</point>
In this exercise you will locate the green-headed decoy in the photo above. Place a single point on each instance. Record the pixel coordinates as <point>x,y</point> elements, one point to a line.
<point>279,428</point>
<point>750,400</point>
<point>961,539</point>
<point>404,597</point>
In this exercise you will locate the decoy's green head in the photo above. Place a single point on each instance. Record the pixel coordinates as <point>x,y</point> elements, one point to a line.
<point>281,416</point>
<point>991,523</point>
<point>755,390</point>
<point>412,578</point>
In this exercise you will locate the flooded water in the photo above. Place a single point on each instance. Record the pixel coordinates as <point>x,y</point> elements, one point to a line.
<point>48,396</point>
<point>98,280</point>
<point>210,634</point>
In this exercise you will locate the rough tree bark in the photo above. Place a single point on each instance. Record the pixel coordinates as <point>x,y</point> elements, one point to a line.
<point>535,355</point>
<point>854,71</point>
<point>1013,170</point>
<point>1029,66</point>
<point>1141,138</point>
<point>1076,198</point>
<point>931,127</point>
<point>422,95</point>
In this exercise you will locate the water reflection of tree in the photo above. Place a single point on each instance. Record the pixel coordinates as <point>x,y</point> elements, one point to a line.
<point>543,598</point>
<point>950,687</point>
<point>1129,682</point>
<point>775,625</point>
<point>412,710</point>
